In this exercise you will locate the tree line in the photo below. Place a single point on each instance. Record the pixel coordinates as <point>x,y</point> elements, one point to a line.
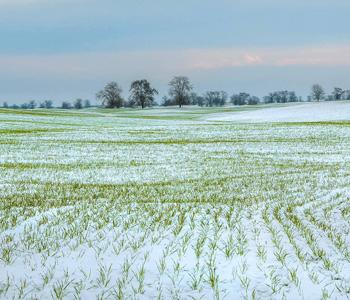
<point>181,93</point>
<point>48,104</point>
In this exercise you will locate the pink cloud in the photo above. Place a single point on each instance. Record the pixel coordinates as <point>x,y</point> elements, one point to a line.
<point>253,59</point>
<point>234,57</point>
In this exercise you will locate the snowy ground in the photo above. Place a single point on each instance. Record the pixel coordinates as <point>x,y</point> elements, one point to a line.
<point>165,204</point>
<point>308,112</point>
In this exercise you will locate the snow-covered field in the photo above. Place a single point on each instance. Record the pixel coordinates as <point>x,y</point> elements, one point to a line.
<point>175,204</point>
<point>298,112</point>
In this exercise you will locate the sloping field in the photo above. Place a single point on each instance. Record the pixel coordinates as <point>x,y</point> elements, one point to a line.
<point>298,112</point>
<point>165,204</point>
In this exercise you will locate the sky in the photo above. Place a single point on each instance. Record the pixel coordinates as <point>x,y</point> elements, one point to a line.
<point>68,49</point>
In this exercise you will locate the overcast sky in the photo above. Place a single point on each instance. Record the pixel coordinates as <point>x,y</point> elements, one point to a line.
<point>65,49</point>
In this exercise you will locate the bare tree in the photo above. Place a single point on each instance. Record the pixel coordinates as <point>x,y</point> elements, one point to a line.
<point>317,92</point>
<point>180,89</point>
<point>78,103</point>
<point>46,104</point>
<point>111,95</point>
<point>66,105</point>
<point>32,104</point>
<point>281,97</point>
<point>215,98</point>
<point>142,93</point>
<point>196,99</point>
<point>240,99</point>
<point>87,103</point>
<point>337,93</point>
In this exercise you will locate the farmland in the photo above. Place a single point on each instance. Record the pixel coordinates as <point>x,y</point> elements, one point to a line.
<point>174,204</point>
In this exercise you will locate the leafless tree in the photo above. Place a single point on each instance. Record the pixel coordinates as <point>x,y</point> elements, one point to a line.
<point>142,93</point>
<point>111,95</point>
<point>317,92</point>
<point>180,89</point>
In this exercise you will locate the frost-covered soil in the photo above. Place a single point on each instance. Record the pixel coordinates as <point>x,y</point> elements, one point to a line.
<point>300,112</point>
<point>164,204</point>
